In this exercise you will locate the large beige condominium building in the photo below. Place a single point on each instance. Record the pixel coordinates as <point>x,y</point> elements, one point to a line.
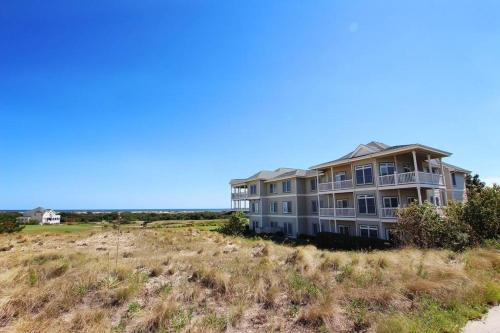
<point>357,194</point>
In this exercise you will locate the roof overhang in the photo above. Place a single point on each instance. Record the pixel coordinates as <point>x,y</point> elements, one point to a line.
<point>288,177</point>
<point>238,181</point>
<point>409,148</point>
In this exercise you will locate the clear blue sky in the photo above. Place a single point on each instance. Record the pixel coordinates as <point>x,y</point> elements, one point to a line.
<point>157,104</point>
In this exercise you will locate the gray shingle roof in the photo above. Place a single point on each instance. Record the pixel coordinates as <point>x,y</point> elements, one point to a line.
<point>371,148</point>
<point>279,173</point>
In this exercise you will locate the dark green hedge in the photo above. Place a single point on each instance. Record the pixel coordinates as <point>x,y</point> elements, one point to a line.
<point>334,241</point>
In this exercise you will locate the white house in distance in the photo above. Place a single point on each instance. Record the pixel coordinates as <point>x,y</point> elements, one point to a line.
<point>42,215</point>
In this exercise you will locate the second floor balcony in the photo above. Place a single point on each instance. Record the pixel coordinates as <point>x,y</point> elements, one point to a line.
<point>411,177</point>
<point>338,212</point>
<point>336,185</point>
<point>239,196</point>
<point>403,178</point>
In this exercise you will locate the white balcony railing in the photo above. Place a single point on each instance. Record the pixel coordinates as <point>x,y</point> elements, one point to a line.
<point>345,212</point>
<point>386,180</point>
<point>339,212</point>
<point>430,178</point>
<point>342,184</point>
<point>389,212</point>
<point>239,196</point>
<point>410,178</point>
<point>325,186</point>
<point>326,211</point>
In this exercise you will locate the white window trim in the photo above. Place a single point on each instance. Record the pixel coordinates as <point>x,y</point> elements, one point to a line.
<point>314,181</point>
<point>369,227</point>
<point>342,206</point>
<point>385,164</point>
<point>342,226</point>
<point>313,206</point>
<point>288,207</point>
<point>363,167</point>
<point>365,197</point>
<point>340,173</point>
<point>286,189</point>
<point>414,199</point>
<point>273,207</point>
<point>390,197</point>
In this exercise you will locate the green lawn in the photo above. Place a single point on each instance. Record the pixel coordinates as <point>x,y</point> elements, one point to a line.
<point>68,228</point>
<point>32,229</point>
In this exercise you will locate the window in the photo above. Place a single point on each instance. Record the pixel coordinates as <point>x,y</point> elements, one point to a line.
<point>386,168</point>
<point>313,184</point>
<point>391,202</point>
<point>254,207</point>
<point>339,176</point>
<point>253,189</point>
<point>366,204</point>
<point>342,203</point>
<point>315,228</point>
<point>364,174</point>
<point>273,207</point>
<point>389,234</point>
<point>287,186</point>
<point>274,224</point>
<point>410,200</point>
<point>288,228</point>
<point>255,225</point>
<point>272,188</point>
<point>343,229</point>
<point>453,179</point>
<point>370,231</point>
<point>287,207</point>
<point>314,204</point>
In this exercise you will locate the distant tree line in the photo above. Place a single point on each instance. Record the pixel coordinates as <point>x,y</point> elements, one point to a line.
<point>125,217</point>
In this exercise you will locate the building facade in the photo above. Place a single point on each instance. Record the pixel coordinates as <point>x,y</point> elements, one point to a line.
<point>357,194</point>
<point>41,215</point>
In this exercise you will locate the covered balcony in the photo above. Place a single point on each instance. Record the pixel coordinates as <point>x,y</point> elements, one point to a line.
<point>337,212</point>
<point>239,195</point>
<point>411,177</point>
<point>336,185</point>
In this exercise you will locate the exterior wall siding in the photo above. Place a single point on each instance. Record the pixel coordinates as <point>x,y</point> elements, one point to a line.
<point>305,220</point>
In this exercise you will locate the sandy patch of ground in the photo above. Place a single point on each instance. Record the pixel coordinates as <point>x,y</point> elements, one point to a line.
<point>490,323</point>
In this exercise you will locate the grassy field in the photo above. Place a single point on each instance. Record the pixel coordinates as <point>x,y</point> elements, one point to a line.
<point>58,228</point>
<point>184,279</point>
<point>70,228</point>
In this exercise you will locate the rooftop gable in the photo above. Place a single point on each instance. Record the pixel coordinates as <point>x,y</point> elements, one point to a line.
<point>377,148</point>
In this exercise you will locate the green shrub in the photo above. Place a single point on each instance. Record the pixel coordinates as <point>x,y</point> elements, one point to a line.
<point>236,225</point>
<point>423,226</point>
<point>482,212</point>
<point>10,226</point>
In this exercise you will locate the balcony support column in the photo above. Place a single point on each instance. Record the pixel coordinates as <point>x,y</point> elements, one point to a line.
<point>319,204</point>
<point>417,178</point>
<point>395,170</point>
<point>239,198</point>
<point>444,182</point>
<point>333,179</point>
<point>334,206</point>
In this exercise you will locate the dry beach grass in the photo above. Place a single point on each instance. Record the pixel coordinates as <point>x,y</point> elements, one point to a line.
<point>190,280</point>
